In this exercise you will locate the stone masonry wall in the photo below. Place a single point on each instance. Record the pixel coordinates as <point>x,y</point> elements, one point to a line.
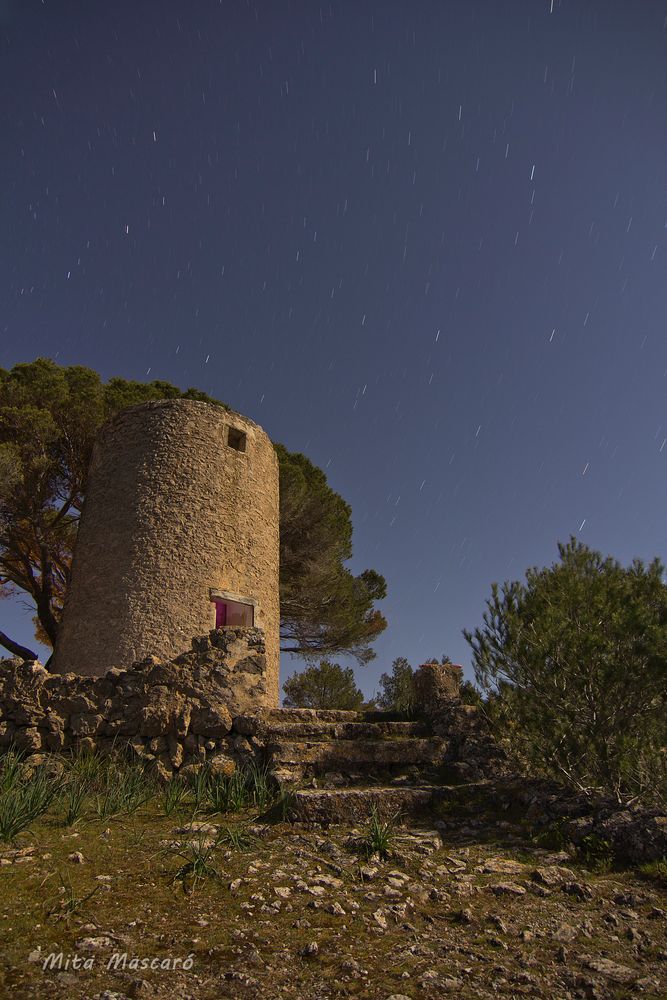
<point>173,714</point>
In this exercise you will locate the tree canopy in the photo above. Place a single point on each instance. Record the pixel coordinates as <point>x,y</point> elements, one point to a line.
<point>574,664</point>
<point>397,692</point>
<point>49,417</point>
<point>323,685</point>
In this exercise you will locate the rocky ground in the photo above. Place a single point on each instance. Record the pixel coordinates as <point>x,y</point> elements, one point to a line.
<point>286,911</point>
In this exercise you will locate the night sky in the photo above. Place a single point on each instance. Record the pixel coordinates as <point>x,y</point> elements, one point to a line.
<point>424,243</point>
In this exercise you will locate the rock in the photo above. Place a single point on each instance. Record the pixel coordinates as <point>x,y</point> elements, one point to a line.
<point>611,970</point>
<point>221,764</point>
<point>629,899</point>
<point>578,889</point>
<point>352,967</point>
<point>335,908</point>
<point>553,876</point>
<point>94,943</point>
<point>211,720</point>
<point>196,827</point>
<point>502,866</point>
<point>507,889</point>
<point>246,725</point>
<point>76,857</point>
<point>564,932</point>
<point>311,949</point>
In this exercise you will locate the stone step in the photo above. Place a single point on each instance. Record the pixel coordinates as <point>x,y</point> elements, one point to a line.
<point>319,756</point>
<point>315,729</point>
<point>354,805</point>
<point>281,715</point>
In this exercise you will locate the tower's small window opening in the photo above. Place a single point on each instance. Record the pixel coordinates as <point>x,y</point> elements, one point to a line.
<point>236,439</point>
<point>233,613</point>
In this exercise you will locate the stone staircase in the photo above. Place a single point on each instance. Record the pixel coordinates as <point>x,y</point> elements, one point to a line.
<point>340,764</point>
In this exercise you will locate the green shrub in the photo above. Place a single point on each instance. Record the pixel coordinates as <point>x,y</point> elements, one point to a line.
<point>596,852</point>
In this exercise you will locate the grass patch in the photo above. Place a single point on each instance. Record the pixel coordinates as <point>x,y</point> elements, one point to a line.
<point>236,838</point>
<point>655,871</point>
<point>197,857</point>
<point>68,902</point>
<point>249,786</point>
<point>124,789</point>
<point>174,796</point>
<point>24,796</point>
<point>379,835</point>
<point>74,796</point>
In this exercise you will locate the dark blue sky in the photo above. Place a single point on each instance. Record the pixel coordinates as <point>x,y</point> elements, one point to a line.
<point>424,243</point>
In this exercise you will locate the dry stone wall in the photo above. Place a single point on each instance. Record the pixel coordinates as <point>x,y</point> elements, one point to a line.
<point>173,714</point>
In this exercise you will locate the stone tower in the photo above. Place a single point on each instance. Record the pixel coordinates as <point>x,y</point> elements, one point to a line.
<point>178,535</point>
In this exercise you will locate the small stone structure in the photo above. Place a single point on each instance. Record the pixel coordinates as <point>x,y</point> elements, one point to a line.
<point>178,534</point>
<point>436,682</point>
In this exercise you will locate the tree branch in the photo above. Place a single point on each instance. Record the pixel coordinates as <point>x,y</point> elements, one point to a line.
<point>16,649</point>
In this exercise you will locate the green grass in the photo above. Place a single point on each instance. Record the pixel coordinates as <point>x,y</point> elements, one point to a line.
<point>249,786</point>
<point>379,835</point>
<point>655,871</point>
<point>25,795</point>
<point>82,786</point>
<point>596,853</point>
<point>197,862</point>
<point>67,902</point>
<point>124,789</point>
<point>74,796</point>
<point>236,838</point>
<point>174,796</point>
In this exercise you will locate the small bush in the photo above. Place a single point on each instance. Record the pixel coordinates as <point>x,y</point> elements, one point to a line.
<point>88,766</point>
<point>199,783</point>
<point>12,769</point>
<point>551,837</point>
